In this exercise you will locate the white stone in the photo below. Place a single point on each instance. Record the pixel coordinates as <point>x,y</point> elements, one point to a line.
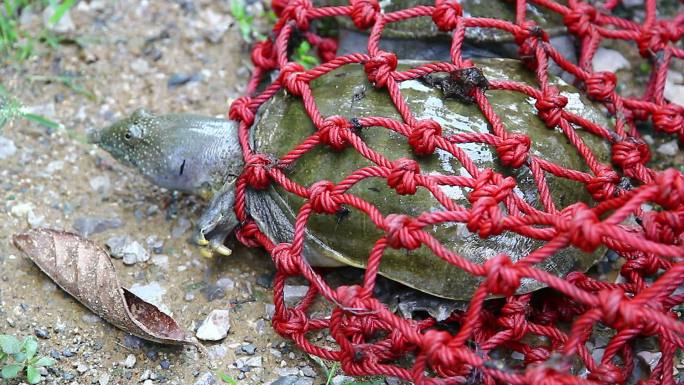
<point>65,24</point>
<point>669,148</point>
<point>152,293</point>
<point>674,87</point>
<point>215,327</point>
<point>140,66</point>
<point>7,147</point>
<point>130,361</point>
<point>609,60</point>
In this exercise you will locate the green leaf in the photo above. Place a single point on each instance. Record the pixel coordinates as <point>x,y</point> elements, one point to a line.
<point>226,378</point>
<point>30,346</point>
<point>9,344</point>
<point>11,371</point>
<point>44,361</point>
<point>20,357</point>
<point>32,374</point>
<point>61,10</point>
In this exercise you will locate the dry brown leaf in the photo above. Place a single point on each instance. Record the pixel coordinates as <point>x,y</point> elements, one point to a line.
<point>85,270</point>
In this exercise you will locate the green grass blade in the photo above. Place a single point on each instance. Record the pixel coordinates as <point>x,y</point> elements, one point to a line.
<point>41,120</point>
<point>61,10</point>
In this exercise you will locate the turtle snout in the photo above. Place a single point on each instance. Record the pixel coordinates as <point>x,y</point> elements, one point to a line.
<point>94,136</point>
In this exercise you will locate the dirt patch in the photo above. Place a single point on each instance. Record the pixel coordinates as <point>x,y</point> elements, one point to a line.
<point>168,56</point>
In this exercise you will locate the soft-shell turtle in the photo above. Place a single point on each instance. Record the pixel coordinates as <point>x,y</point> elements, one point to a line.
<point>188,153</point>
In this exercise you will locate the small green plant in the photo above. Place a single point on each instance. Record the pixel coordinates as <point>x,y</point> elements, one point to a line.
<point>18,44</point>
<point>11,108</point>
<point>226,378</point>
<point>303,56</point>
<point>22,355</point>
<point>245,21</point>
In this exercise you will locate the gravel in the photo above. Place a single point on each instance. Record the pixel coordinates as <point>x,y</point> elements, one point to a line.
<point>130,361</point>
<point>87,226</point>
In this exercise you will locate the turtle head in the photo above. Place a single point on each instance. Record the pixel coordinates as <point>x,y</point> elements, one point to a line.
<point>131,139</point>
<point>183,152</point>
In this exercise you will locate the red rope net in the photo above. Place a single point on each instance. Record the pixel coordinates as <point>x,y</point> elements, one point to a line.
<point>372,340</point>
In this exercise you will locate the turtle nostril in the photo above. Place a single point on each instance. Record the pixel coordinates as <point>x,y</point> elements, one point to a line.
<point>94,136</point>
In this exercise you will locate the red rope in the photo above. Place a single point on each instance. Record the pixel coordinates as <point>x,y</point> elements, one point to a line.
<point>372,340</point>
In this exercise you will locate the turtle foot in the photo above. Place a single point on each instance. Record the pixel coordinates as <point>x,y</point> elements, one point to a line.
<point>212,246</point>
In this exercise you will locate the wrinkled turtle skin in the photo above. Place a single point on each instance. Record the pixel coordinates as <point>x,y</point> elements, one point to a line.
<point>349,239</point>
<point>424,27</point>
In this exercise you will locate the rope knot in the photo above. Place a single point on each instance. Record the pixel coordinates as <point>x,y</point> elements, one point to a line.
<point>283,259</point>
<point>502,276</point>
<point>485,215</point>
<point>293,323</point>
<point>423,137</point>
<point>514,150</point>
<point>527,37</point>
<point>602,186</point>
<point>608,373</point>
<point>663,226</point>
<point>615,305</point>
<point>402,231</point>
<point>671,188</point>
<point>550,107</point>
<point>240,110</point>
<point>359,302</point>
<point>264,55</point>
<point>435,344</point>
<point>327,49</point>
<point>446,14</point>
<point>380,67</point>
<point>256,171</point>
<point>323,199</point>
<point>246,234</point>
<point>581,19</point>
<point>289,77</point>
<point>656,37</point>
<point>364,13</point>
<point>333,132</point>
<point>630,153</point>
<point>298,10</point>
<point>583,226</point>
<point>601,85</point>
<point>669,118</point>
<point>402,176</point>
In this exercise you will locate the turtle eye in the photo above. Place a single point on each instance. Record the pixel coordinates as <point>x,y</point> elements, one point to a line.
<point>128,136</point>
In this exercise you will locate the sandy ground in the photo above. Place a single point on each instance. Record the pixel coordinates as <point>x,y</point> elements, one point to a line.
<point>129,55</point>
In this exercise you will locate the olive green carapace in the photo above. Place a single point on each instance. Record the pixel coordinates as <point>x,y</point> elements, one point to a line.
<point>283,124</point>
<point>424,27</point>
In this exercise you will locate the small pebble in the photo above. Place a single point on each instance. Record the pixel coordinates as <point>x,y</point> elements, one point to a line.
<point>81,368</point>
<point>87,226</point>
<point>215,327</point>
<point>182,226</point>
<point>165,364</point>
<point>294,293</point>
<point>249,349</point>
<point>179,79</point>
<point>7,147</point>
<point>101,184</point>
<point>206,378</point>
<point>104,379</point>
<point>68,353</point>
<point>42,333</point>
<point>140,66</point>
<point>130,361</point>
<point>669,148</point>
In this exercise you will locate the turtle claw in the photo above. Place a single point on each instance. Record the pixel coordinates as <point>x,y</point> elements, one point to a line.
<point>200,240</point>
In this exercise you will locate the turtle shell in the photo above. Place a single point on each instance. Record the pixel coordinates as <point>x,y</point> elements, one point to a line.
<point>424,27</point>
<point>283,123</point>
